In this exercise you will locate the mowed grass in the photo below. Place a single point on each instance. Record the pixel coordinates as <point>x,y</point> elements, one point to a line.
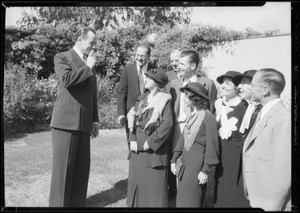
<point>28,165</point>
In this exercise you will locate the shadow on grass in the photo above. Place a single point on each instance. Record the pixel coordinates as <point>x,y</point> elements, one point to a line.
<point>12,138</point>
<point>113,195</point>
<point>16,136</point>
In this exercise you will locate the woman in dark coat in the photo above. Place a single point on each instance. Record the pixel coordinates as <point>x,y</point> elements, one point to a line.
<point>197,148</point>
<point>230,110</point>
<point>151,125</point>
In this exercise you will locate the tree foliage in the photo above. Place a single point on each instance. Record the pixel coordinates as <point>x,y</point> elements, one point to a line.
<point>119,31</point>
<point>100,17</point>
<point>116,46</point>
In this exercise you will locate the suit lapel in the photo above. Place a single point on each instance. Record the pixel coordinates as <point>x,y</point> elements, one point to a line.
<point>178,85</point>
<point>75,58</point>
<point>256,130</point>
<point>132,74</point>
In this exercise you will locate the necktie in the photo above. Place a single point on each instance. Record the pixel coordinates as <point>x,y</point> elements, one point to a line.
<point>141,80</point>
<point>258,115</point>
<point>85,56</point>
<point>255,114</point>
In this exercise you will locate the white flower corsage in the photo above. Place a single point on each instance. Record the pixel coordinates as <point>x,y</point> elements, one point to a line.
<point>228,126</point>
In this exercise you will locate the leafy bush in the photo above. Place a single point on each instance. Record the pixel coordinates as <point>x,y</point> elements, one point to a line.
<point>107,104</point>
<point>36,52</point>
<point>105,91</point>
<point>108,117</point>
<point>116,46</point>
<point>27,101</point>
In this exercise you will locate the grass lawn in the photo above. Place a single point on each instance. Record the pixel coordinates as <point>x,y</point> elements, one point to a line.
<point>28,164</point>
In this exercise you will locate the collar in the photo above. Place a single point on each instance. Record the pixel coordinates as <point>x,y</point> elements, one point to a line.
<point>78,52</point>
<point>268,106</point>
<point>144,68</point>
<point>252,103</point>
<point>232,102</point>
<point>193,78</point>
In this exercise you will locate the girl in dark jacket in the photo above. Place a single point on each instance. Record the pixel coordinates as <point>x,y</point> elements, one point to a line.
<point>197,148</point>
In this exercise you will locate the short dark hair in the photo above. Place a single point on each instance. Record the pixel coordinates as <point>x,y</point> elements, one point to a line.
<point>273,78</point>
<point>83,32</point>
<point>193,56</point>
<point>198,101</point>
<point>146,47</point>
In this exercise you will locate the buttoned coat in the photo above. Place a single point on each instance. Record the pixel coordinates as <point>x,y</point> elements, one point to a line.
<point>74,112</point>
<point>76,105</point>
<point>267,160</point>
<point>147,178</point>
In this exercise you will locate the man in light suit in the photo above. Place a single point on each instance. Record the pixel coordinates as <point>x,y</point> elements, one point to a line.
<point>74,120</point>
<point>187,70</point>
<point>130,87</point>
<point>267,148</point>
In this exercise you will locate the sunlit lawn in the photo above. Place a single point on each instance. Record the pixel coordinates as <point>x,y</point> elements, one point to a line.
<point>28,162</point>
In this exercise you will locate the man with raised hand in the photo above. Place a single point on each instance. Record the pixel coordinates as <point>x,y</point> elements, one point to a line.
<point>74,121</point>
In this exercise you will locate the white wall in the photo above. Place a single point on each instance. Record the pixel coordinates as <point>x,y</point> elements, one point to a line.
<point>269,52</point>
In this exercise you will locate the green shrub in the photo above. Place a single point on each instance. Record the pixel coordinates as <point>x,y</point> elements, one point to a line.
<point>105,90</point>
<point>27,101</point>
<point>116,46</point>
<point>108,117</point>
<point>107,104</point>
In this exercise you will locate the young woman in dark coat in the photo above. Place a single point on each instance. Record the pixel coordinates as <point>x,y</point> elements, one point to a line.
<point>197,148</point>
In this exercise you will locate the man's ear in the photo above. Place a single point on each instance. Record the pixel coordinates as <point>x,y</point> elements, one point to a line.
<point>193,66</point>
<point>266,91</point>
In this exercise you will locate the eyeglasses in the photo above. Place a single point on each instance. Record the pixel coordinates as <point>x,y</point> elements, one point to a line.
<point>141,56</point>
<point>153,71</point>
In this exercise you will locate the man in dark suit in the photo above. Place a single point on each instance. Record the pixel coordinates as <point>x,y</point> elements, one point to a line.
<point>187,70</point>
<point>174,59</point>
<point>131,84</point>
<point>74,121</point>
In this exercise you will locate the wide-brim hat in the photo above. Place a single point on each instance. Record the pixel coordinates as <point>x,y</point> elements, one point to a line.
<point>232,75</point>
<point>197,88</point>
<point>248,73</point>
<point>158,75</point>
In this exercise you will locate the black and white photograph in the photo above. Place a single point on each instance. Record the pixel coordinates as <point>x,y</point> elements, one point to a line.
<point>168,105</point>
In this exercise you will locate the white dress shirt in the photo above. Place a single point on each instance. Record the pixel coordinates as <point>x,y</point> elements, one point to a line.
<point>144,70</point>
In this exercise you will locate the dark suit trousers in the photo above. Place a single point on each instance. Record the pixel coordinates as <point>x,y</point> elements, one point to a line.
<point>70,169</point>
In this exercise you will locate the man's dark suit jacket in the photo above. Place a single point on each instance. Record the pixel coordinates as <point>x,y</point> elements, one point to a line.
<point>128,90</point>
<point>206,82</point>
<point>76,105</point>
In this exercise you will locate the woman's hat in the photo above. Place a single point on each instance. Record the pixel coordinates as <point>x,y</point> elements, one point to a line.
<point>158,75</point>
<point>197,88</point>
<point>248,73</point>
<point>232,75</point>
